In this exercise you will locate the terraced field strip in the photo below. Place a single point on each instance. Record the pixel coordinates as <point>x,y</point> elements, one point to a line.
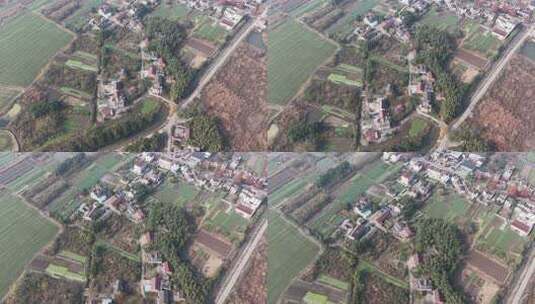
<point>62,272</point>
<point>27,43</point>
<point>289,252</point>
<point>365,265</point>
<point>78,65</point>
<point>119,251</point>
<point>23,232</point>
<point>288,66</point>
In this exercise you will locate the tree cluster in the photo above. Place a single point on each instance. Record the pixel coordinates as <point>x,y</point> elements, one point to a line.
<point>334,175</point>
<point>441,244</point>
<point>40,109</point>
<point>174,228</point>
<point>436,48</point>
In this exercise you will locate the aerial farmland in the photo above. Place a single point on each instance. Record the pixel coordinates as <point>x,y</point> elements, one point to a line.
<point>362,220</point>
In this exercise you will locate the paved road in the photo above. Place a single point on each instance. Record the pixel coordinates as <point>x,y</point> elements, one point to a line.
<point>234,273</point>
<point>522,283</point>
<point>488,81</point>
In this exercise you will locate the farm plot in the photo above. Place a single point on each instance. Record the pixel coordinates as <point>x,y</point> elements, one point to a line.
<point>285,262</point>
<point>209,30</point>
<point>481,41</point>
<point>328,220</point>
<point>347,74</point>
<point>498,239</point>
<point>23,232</point>
<point>26,45</point>
<point>223,219</point>
<point>288,66</point>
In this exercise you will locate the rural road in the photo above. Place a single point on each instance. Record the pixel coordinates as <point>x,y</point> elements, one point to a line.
<point>488,81</point>
<point>234,273</point>
<point>207,76</point>
<point>522,283</point>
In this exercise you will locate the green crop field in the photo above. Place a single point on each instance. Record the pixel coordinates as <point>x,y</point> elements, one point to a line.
<point>75,64</point>
<point>173,12</point>
<point>288,66</point>
<point>26,45</point>
<point>291,188</point>
<point>289,252</point>
<point>418,125</point>
<point>23,232</point>
<point>307,7</point>
<point>180,193</point>
<point>450,206</point>
<point>325,279</point>
<point>208,30</point>
<point>229,223</point>
<point>480,40</point>
<point>62,272</point>
<point>443,20</point>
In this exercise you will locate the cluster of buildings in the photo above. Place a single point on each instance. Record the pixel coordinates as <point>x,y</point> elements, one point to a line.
<point>123,193</point>
<point>156,274</point>
<point>125,14</point>
<point>512,194</point>
<point>465,173</point>
<point>375,122</point>
<point>112,100</point>
<point>421,84</point>
<point>153,68</point>
<point>228,13</point>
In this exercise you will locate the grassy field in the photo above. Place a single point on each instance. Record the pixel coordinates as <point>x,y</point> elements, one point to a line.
<point>175,12</point>
<point>23,232</point>
<point>443,20</point>
<point>289,252</point>
<point>26,45</point>
<point>449,206</point>
<point>418,125</point>
<point>6,141</point>
<point>179,194</point>
<point>288,66</point>
<point>228,223</point>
